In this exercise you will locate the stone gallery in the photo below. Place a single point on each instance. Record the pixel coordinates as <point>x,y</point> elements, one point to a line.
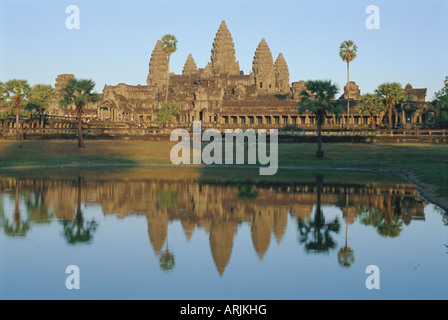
<point>222,96</point>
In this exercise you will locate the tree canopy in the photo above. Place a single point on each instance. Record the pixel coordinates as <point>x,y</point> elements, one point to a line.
<point>372,105</point>
<point>78,92</point>
<point>347,51</point>
<point>169,44</point>
<point>319,99</point>
<point>167,112</point>
<point>441,105</point>
<point>392,94</point>
<point>39,97</point>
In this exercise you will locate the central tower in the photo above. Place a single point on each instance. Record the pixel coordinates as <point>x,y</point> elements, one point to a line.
<point>223,53</point>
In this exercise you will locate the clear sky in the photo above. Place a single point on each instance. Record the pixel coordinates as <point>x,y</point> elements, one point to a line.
<point>116,38</point>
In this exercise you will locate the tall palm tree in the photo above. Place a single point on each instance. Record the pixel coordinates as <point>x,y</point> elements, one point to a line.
<point>371,104</point>
<point>347,52</point>
<point>16,92</point>
<point>392,94</point>
<point>169,46</point>
<point>318,98</point>
<point>79,92</point>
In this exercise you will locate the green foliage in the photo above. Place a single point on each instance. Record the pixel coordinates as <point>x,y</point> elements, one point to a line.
<point>347,51</point>
<point>167,261</point>
<point>392,93</point>
<point>39,98</point>
<point>15,92</point>
<point>169,44</point>
<point>2,92</point>
<point>167,199</point>
<point>371,104</point>
<point>440,103</point>
<point>79,92</point>
<point>346,257</point>
<point>167,112</point>
<point>386,225</point>
<point>319,99</point>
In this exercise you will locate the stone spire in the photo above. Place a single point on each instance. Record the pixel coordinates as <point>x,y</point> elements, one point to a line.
<point>261,231</point>
<point>355,93</point>
<point>281,74</point>
<point>221,243</point>
<point>158,67</point>
<point>223,53</point>
<point>190,66</point>
<point>263,67</point>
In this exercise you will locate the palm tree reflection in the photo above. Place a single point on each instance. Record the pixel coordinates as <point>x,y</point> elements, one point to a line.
<point>20,226</point>
<point>387,223</point>
<point>78,231</point>
<point>166,259</point>
<point>346,255</point>
<point>316,234</point>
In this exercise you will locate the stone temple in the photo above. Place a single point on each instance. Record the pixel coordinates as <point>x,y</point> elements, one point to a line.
<point>222,96</point>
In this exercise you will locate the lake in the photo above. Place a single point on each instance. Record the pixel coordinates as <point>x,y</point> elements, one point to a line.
<point>172,234</point>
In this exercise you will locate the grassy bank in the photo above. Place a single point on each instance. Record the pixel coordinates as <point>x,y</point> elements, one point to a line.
<point>426,165</point>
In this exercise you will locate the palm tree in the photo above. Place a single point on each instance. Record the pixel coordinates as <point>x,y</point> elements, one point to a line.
<point>169,46</point>
<point>16,92</point>
<point>318,98</point>
<point>371,104</point>
<point>79,92</point>
<point>347,52</point>
<point>392,93</point>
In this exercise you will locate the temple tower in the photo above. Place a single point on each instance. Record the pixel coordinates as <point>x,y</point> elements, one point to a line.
<point>190,66</point>
<point>355,93</point>
<point>158,67</point>
<point>223,53</point>
<point>61,82</point>
<point>263,68</point>
<point>281,75</point>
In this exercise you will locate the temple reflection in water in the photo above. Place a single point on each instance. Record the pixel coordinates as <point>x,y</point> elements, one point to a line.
<point>216,209</point>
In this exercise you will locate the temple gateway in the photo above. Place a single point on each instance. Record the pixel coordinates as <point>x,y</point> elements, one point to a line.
<point>222,96</point>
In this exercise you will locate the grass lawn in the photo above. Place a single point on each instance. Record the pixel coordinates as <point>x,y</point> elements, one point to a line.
<point>424,164</point>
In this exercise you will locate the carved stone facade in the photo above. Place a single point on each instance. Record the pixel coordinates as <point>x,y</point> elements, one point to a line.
<point>281,75</point>
<point>263,68</point>
<point>158,67</point>
<point>222,96</point>
<point>223,60</point>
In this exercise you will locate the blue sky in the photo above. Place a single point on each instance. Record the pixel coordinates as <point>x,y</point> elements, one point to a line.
<point>116,38</point>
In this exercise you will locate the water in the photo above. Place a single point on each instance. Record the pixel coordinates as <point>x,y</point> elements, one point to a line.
<point>175,236</point>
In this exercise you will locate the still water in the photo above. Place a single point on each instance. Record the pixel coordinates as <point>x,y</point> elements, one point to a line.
<point>158,237</point>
